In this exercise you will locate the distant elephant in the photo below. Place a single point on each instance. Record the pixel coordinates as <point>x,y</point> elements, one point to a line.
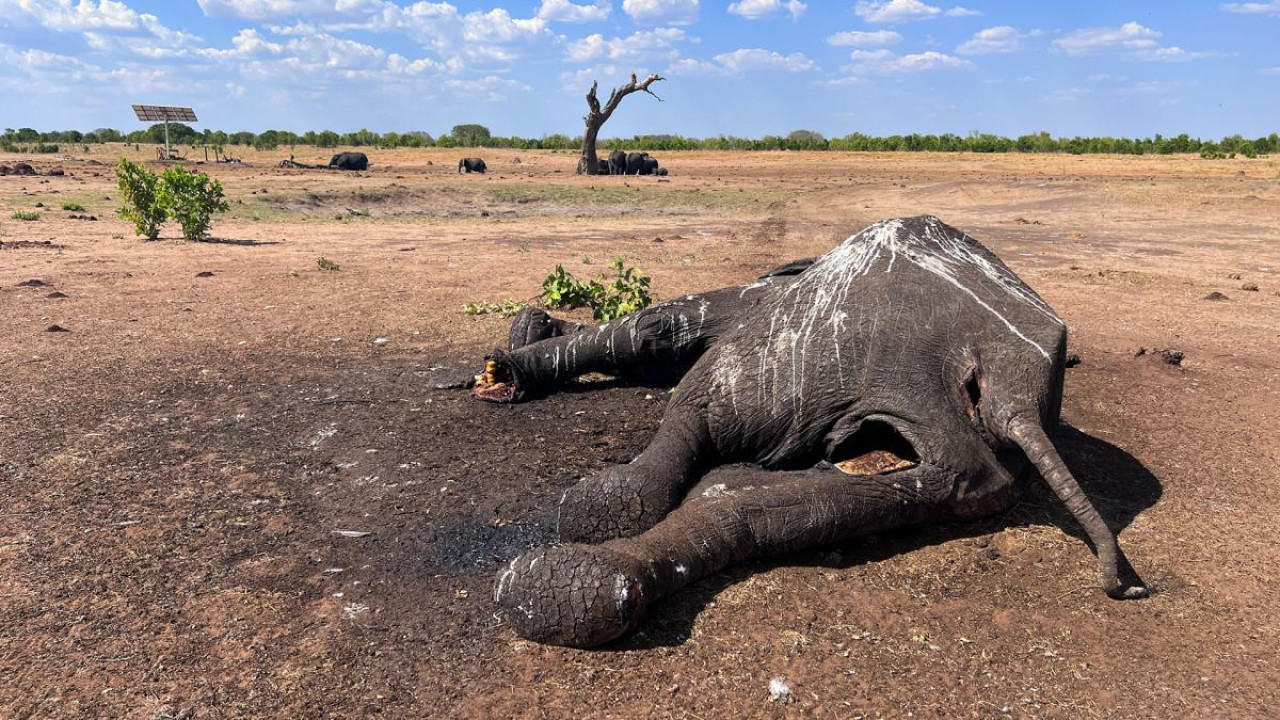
<point>648,166</point>
<point>634,162</point>
<point>23,169</point>
<point>660,172</point>
<point>618,162</point>
<point>471,165</point>
<point>603,168</point>
<point>349,161</point>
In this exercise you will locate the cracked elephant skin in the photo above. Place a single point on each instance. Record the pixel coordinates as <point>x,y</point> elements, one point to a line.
<point>906,377</point>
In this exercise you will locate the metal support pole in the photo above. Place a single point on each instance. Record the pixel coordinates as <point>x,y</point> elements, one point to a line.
<point>167,154</point>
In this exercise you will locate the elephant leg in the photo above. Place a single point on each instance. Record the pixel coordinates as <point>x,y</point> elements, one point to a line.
<point>585,595</point>
<point>625,500</point>
<point>532,325</point>
<point>659,343</point>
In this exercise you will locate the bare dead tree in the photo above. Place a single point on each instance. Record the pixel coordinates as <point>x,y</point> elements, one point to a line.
<point>596,117</point>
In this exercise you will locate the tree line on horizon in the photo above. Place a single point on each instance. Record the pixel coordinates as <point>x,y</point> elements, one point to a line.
<point>474,135</point>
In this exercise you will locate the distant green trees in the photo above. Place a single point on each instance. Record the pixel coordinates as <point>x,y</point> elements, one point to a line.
<point>474,135</point>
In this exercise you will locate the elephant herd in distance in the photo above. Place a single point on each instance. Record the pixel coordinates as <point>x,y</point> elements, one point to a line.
<point>637,163</point>
<point>619,163</point>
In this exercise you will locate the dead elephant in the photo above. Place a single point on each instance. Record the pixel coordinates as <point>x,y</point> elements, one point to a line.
<point>906,377</point>
<point>349,161</point>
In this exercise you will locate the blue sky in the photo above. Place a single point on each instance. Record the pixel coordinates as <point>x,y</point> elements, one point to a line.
<point>737,67</point>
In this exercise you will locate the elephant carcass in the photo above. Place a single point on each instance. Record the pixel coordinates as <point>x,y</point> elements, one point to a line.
<point>906,377</point>
<point>349,161</point>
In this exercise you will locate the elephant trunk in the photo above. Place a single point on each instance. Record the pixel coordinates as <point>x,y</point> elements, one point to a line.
<point>1031,437</point>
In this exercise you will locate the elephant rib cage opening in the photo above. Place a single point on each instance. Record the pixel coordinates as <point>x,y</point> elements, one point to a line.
<point>876,448</point>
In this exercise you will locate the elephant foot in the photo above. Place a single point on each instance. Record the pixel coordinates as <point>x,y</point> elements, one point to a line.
<point>1117,590</point>
<point>574,595</point>
<point>497,383</point>
<point>612,505</point>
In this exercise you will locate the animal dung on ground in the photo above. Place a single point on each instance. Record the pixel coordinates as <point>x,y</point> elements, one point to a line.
<point>55,295</point>
<point>33,282</point>
<point>1169,357</point>
<point>204,273</point>
<point>56,328</point>
<point>1251,287</point>
<point>1215,295</point>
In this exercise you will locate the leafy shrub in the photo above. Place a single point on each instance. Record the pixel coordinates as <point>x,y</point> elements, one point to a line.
<point>72,207</point>
<point>26,215</point>
<point>139,188</point>
<point>608,298</point>
<point>191,198</point>
<point>506,308</point>
<point>325,263</point>
<point>46,149</point>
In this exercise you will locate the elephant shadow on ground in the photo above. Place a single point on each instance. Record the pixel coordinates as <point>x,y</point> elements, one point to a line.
<point>1119,484</point>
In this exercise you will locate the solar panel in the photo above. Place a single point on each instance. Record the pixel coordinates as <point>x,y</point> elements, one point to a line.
<point>164,113</point>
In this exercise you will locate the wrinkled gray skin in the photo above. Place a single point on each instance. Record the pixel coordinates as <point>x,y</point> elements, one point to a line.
<point>910,339</point>
<point>471,165</point>
<point>349,161</point>
<point>618,162</point>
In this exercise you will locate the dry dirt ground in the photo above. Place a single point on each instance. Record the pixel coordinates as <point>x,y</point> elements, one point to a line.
<point>173,469</point>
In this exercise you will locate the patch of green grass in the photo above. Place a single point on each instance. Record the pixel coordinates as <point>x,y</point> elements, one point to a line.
<point>72,207</point>
<point>325,263</point>
<point>26,215</point>
<point>506,308</point>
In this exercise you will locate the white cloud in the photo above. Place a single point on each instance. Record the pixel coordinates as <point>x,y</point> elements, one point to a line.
<point>884,62</point>
<point>662,12</point>
<point>757,9</point>
<point>999,39</point>
<point>858,38</point>
<point>1254,8</point>
<point>743,61</point>
<point>63,16</point>
<point>958,11</point>
<point>1131,39</point>
<point>565,11</point>
<point>267,9</point>
<point>895,11</point>
<point>641,45</point>
<point>1270,71</point>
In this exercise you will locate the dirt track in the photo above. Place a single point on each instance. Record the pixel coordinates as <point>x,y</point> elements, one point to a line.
<point>174,468</point>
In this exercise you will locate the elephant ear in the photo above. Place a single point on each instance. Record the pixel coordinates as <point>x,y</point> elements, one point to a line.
<point>795,267</point>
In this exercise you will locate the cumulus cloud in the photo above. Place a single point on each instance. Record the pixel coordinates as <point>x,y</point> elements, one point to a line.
<point>999,39</point>
<point>661,12</point>
<point>859,38</point>
<point>743,61</point>
<point>900,11</point>
<point>1131,40</point>
<point>565,11</point>
<point>641,45</point>
<point>885,62</point>
<point>757,9</point>
<point>1254,8</point>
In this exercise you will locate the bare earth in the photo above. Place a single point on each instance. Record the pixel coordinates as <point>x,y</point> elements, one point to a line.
<point>173,469</point>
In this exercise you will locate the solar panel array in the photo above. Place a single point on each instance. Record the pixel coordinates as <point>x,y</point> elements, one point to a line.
<point>162,113</point>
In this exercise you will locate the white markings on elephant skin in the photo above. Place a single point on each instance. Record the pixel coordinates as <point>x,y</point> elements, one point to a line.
<point>811,313</point>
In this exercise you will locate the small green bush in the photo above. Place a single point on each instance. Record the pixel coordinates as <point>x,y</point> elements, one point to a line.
<point>326,264</point>
<point>46,149</point>
<point>140,189</point>
<point>191,198</point>
<point>72,207</point>
<point>608,298</point>
<point>26,215</point>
